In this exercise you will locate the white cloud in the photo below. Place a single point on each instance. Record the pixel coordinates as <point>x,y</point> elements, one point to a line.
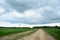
<point>15,14</point>
<point>27,13</point>
<point>7,24</point>
<point>1,1</point>
<point>50,24</point>
<point>1,10</point>
<point>32,13</point>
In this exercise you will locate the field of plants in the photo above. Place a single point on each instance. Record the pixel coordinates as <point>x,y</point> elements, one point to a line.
<point>55,32</point>
<point>8,31</point>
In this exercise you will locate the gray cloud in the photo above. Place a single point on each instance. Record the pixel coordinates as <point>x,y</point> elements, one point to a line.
<point>6,7</point>
<point>48,9</point>
<point>22,5</point>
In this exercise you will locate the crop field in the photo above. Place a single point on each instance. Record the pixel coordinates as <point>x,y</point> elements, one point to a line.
<point>55,32</point>
<point>8,31</point>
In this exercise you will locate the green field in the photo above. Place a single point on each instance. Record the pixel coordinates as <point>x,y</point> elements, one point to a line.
<point>55,32</point>
<point>8,31</point>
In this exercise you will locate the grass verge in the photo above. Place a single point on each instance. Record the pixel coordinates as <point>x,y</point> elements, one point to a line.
<point>55,32</point>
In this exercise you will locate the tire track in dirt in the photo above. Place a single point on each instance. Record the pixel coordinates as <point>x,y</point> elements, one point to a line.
<point>39,35</point>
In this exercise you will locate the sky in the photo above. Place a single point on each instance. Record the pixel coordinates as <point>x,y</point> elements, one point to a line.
<point>29,12</point>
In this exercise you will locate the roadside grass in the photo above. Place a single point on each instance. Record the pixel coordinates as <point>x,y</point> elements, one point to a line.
<point>55,32</point>
<point>9,31</point>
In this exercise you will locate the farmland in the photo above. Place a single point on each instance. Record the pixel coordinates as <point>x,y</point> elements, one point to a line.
<point>35,33</point>
<point>8,31</point>
<point>55,32</point>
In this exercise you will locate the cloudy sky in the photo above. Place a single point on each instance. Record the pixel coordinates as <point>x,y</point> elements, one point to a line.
<point>29,12</point>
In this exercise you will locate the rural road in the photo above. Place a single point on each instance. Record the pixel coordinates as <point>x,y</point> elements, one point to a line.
<point>38,35</point>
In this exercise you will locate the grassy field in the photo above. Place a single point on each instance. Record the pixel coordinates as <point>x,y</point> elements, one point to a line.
<point>8,31</point>
<point>54,32</point>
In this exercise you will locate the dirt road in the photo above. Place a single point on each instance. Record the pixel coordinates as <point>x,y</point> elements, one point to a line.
<point>14,36</point>
<point>39,35</point>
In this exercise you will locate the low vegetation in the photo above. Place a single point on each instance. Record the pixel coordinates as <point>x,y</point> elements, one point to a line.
<point>8,31</point>
<point>54,32</point>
